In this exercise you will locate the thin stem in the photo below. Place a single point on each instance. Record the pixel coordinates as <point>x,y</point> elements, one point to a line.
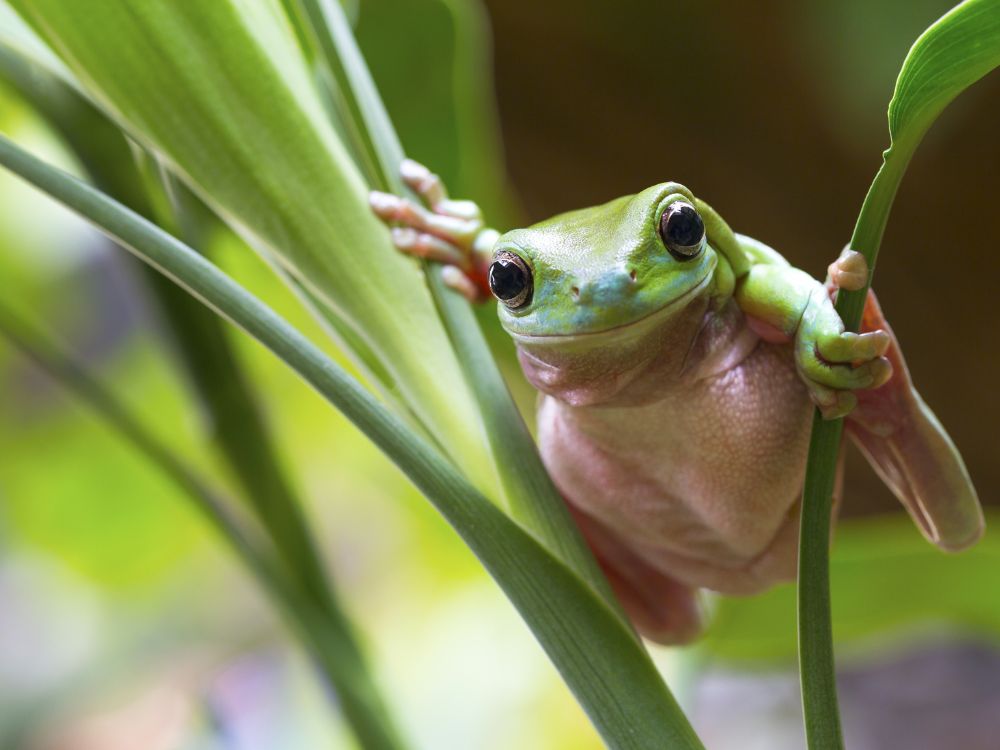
<point>816,661</point>
<point>817,668</point>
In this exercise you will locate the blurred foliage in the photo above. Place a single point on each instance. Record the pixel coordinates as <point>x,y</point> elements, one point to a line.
<point>889,588</point>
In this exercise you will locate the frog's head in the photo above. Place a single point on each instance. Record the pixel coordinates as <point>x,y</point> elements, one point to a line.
<point>589,296</point>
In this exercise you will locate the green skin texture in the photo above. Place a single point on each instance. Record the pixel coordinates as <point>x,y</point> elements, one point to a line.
<point>677,392</point>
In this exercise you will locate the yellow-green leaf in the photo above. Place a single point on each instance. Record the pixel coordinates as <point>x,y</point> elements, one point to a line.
<point>222,93</point>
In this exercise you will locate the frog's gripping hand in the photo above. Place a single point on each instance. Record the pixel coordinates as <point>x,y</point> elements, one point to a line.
<point>784,304</point>
<point>864,377</point>
<point>441,230</point>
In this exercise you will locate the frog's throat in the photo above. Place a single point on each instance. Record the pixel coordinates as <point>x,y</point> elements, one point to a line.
<point>633,328</point>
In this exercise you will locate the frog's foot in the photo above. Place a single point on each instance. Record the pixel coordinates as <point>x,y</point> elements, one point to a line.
<point>833,362</point>
<point>450,232</point>
<point>910,450</point>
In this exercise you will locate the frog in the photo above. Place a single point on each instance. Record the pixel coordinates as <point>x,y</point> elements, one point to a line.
<point>678,364</point>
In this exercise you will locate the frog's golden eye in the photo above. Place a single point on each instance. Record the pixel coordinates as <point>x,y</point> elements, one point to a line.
<point>510,279</point>
<point>682,230</point>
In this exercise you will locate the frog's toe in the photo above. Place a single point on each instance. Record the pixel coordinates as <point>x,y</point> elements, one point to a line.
<point>423,245</point>
<point>423,181</point>
<point>849,271</point>
<point>831,403</point>
<point>433,193</point>
<point>392,208</point>
<point>384,205</point>
<point>456,279</point>
<point>816,370</point>
<point>853,347</point>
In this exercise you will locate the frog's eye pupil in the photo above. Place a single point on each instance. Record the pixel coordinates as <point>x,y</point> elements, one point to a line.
<point>510,279</point>
<point>682,230</point>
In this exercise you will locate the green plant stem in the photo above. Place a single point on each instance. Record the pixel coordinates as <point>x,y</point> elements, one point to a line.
<point>816,661</point>
<point>533,498</point>
<point>597,654</point>
<point>817,667</point>
<point>816,658</point>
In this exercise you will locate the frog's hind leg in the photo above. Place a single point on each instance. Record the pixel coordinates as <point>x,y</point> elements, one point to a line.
<point>906,445</point>
<point>661,608</point>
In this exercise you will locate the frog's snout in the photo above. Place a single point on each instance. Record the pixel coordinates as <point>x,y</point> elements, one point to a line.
<point>605,289</point>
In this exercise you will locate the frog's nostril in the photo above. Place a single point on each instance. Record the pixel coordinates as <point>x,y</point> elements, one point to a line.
<point>575,291</point>
<point>632,274</point>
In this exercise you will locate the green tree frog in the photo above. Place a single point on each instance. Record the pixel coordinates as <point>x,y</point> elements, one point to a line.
<point>677,363</point>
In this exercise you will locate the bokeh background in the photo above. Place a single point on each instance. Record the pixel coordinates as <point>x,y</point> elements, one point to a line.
<point>123,622</point>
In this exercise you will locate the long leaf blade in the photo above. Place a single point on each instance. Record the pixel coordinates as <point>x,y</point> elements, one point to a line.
<point>236,115</point>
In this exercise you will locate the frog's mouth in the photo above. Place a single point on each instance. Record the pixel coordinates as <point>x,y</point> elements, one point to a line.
<point>622,332</point>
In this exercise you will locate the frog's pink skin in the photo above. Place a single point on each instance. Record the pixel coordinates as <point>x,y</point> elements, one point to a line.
<point>679,441</point>
<point>713,502</point>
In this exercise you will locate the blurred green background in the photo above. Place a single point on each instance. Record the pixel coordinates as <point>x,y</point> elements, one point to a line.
<point>123,623</point>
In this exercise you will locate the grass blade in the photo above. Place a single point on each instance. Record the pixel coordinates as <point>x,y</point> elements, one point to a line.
<point>952,54</point>
<point>597,654</point>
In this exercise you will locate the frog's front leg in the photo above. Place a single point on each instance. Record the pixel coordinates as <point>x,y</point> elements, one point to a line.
<point>450,232</point>
<point>832,362</point>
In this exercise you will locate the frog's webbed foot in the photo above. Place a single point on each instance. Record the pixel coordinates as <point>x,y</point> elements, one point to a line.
<point>910,450</point>
<point>900,436</point>
<point>833,362</point>
<point>450,232</point>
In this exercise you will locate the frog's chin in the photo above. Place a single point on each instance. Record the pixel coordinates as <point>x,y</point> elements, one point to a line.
<point>611,365</point>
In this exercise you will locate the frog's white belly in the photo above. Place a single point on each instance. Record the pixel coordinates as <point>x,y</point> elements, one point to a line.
<point>703,485</point>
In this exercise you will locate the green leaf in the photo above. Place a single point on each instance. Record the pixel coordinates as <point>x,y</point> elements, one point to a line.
<point>955,52</point>
<point>597,654</point>
<point>223,94</point>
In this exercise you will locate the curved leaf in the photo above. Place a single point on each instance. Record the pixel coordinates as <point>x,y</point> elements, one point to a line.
<point>956,51</point>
